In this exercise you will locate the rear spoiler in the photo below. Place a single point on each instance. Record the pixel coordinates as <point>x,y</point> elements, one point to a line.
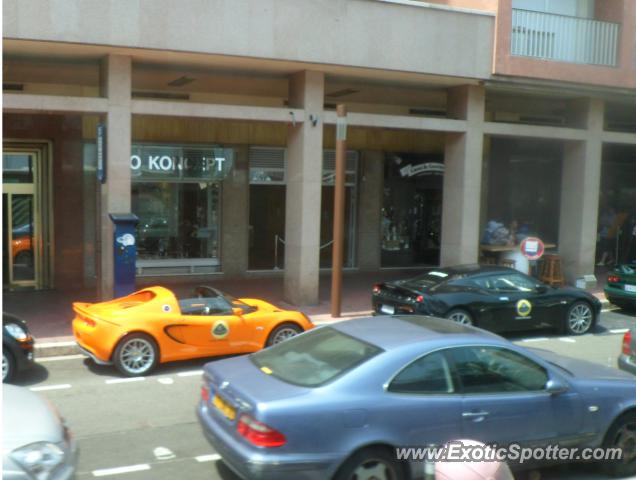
<point>81,309</point>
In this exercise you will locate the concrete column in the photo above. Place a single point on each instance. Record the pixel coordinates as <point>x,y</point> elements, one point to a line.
<point>370,210</point>
<point>304,183</point>
<point>580,186</point>
<point>235,215</point>
<point>115,193</point>
<point>485,183</point>
<point>463,158</point>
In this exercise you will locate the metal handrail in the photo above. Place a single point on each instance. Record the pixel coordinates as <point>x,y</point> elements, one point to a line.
<point>278,238</point>
<point>326,244</point>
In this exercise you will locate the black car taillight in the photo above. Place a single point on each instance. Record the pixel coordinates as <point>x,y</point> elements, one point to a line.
<point>377,288</point>
<point>613,279</point>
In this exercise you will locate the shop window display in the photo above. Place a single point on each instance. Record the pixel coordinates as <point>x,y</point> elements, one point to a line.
<point>176,195</point>
<point>176,220</point>
<point>524,191</point>
<point>617,206</point>
<point>412,211</point>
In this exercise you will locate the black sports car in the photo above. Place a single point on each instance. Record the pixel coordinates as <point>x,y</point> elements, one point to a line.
<point>17,346</point>
<point>491,297</point>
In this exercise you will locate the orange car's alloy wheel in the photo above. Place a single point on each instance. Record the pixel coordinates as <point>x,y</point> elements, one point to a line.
<point>136,355</point>
<point>282,333</point>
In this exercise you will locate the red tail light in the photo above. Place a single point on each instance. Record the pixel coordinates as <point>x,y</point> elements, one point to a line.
<point>88,322</point>
<point>613,279</point>
<point>205,394</point>
<point>627,340</point>
<point>419,298</point>
<point>258,433</point>
<point>377,288</point>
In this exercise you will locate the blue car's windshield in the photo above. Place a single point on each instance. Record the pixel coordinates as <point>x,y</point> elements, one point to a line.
<point>314,358</point>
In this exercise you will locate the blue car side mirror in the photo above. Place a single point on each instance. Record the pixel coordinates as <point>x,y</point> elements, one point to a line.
<point>555,386</point>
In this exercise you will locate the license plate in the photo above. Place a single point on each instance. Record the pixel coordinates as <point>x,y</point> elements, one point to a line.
<point>630,288</point>
<point>224,407</point>
<point>388,309</point>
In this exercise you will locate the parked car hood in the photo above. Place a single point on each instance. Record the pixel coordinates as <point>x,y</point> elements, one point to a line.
<point>27,418</point>
<point>583,368</point>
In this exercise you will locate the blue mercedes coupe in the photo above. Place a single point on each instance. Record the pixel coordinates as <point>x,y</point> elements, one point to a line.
<point>336,401</point>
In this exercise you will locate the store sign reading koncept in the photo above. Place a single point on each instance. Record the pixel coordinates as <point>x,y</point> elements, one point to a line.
<point>180,162</point>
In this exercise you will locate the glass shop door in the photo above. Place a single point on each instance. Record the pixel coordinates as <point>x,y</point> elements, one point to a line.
<point>22,245</point>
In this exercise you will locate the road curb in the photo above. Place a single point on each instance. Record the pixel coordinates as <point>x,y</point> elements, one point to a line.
<point>326,318</point>
<point>54,348</point>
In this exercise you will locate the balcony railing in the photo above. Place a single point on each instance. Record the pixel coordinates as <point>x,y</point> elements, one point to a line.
<point>563,38</point>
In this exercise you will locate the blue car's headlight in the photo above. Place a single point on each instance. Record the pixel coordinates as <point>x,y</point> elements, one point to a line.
<point>16,331</point>
<point>39,459</point>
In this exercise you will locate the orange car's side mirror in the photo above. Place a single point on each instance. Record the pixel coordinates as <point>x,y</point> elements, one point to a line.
<point>237,311</point>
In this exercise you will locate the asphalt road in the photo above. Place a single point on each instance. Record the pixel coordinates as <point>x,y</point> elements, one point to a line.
<point>146,428</point>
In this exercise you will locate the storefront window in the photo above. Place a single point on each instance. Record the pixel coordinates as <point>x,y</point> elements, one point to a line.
<point>524,190</point>
<point>412,210</point>
<point>176,195</point>
<point>617,206</point>
<point>176,220</point>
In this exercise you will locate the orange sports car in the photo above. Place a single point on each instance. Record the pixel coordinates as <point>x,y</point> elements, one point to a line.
<point>152,326</point>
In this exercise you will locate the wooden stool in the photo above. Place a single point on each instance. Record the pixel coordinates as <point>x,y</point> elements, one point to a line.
<point>508,262</point>
<point>551,270</point>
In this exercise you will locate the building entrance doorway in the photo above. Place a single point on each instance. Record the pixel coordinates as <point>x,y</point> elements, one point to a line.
<point>412,210</point>
<point>25,258</point>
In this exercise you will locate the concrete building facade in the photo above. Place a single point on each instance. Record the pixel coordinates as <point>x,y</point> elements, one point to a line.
<point>220,132</point>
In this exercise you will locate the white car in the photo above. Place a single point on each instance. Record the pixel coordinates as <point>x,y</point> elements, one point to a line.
<point>36,444</point>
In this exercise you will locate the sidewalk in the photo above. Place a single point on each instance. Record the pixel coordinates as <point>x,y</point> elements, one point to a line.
<point>49,313</point>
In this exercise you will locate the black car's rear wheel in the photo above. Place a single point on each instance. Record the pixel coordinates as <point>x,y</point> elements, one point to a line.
<point>8,365</point>
<point>136,354</point>
<point>460,316</point>
<point>579,319</point>
<point>622,434</point>
<point>371,463</point>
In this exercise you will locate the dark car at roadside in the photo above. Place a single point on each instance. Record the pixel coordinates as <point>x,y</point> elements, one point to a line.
<point>17,347</point>
<point>620,288</point>
<point>494,298</point>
